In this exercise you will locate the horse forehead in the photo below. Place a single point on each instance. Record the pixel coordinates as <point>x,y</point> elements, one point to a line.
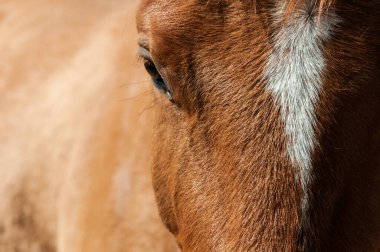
<point>182,15</point>
<point>168,13</point>
<point>168,25</point>
<point>198,23</point>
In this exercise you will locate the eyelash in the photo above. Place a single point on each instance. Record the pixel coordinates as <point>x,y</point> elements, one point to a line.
<point>157,79</point>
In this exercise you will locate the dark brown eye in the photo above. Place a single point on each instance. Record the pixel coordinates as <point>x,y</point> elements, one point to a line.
<point>150,67</point>
<point>158,81</point>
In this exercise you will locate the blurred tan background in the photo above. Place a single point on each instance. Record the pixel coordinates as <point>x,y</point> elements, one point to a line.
<point>75,118</point>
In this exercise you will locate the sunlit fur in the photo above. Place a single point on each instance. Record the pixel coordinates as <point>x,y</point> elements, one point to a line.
<point>294,75</point>
<point>272,141</point>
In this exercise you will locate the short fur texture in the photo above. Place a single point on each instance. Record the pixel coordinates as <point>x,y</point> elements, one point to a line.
<point>294,75</point>
<point>224,174</point>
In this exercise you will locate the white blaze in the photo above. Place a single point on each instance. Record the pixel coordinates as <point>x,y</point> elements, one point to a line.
<point>294,74</point>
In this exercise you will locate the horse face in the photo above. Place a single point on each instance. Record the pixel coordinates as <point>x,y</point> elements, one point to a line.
<point>217,129</point>
<point>255,136</point>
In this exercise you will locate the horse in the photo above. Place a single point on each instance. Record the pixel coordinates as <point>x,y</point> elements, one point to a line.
<point>75,128</point>
<point>267,123</point>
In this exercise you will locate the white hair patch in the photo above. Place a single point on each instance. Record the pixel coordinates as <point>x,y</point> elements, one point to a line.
<point>294,74</point>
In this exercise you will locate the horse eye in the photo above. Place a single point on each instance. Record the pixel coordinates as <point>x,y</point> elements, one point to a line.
<point>158,81</point>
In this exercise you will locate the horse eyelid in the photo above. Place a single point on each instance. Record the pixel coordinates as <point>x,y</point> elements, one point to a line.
<point>143,42</point>
<point>144,53</point>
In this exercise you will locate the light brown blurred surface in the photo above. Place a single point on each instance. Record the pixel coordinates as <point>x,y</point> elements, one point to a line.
<point>75,130</point>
